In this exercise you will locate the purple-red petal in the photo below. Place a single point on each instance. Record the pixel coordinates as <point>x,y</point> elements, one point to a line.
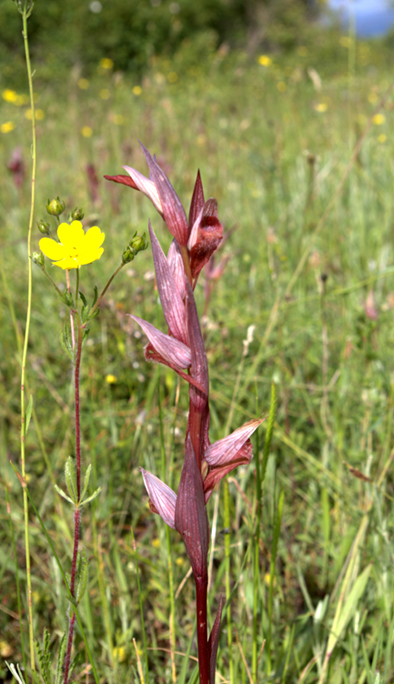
<point>161,497</point>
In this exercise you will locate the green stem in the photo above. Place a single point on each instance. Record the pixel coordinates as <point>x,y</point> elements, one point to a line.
<point>18,593</point>
<point>25,13</point>
<point>106,288</point>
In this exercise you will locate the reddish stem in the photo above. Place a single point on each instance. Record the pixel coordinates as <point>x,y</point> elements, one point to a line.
<point>77,515</point>
<point>202,628</point>
<point>77,418</point>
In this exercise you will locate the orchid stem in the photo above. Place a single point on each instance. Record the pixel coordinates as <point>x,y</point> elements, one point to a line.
<point>202,628</point>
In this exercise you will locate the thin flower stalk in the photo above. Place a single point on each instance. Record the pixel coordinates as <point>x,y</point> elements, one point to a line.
<point>195,239</point>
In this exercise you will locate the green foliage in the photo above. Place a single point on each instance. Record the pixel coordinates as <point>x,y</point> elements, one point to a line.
<point>131,33</point>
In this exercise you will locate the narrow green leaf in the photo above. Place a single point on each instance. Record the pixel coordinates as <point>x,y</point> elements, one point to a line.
<point>351,601</point>
<point>83,576</point>
<point>86,481</point>
<point>70,472</point>
<point>62,494</point>
<point>91,497</point>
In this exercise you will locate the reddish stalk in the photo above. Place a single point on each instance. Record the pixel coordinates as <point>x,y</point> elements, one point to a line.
<point>77,515</point>
<point>202,628</point>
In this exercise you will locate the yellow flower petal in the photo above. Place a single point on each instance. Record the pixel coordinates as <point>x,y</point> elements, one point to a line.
<point>93,239</point>
<point>52,249</point>
<point>71,235</point>
<point>89,256</point>
<point>67,263</point>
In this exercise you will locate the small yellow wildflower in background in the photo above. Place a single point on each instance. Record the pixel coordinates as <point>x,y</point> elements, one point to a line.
<point>7,127</point>
<point>83,83</point>
<point>40,114</point>
<point>105,94</point>
<point>345,41</point>
<point>118,119</point>
<point>373,97</point>
<point>137,90</point>
<point>106,63</point>
<point>111,379</point>
<point>9,96</point>
<point>22,100</point>
<point>201,140</point>
<point>281,86</point>
<point>156,543</point>
<point>382,138</point>
<point>87,132</point>
<point>75,247</point>
<point>119,654</point>
<point>321,107</point>
<point>378,119</point>
<point>264,60</point>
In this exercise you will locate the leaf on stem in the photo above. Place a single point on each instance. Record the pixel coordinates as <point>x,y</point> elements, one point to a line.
<point>191,519</point>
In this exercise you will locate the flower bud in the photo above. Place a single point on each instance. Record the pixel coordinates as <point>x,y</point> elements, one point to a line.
<point>43,227</point>
<point>77,214</point>
<point>137,244</point>
<point>55,207</point>
<point>38,258</point>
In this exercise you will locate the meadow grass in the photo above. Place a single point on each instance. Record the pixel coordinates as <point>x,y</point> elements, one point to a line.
<point>272,149</point>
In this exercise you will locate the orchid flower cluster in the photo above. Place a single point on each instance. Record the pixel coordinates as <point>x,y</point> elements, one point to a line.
<point>182,349</point>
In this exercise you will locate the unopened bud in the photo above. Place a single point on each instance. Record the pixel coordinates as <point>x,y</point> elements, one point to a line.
<point>137,244</point>
<point>43,227</point>
<point>38,258</point>
<point>55,207</point>
<point>77,214</point>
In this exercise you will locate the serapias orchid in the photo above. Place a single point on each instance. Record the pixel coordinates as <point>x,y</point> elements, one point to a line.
<point>182,349</point>
<point>75,247</point>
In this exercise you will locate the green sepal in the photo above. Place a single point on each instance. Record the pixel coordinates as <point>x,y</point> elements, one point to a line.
<point>62,494</point>
<point>83,575</point>
<point>91,497</point>
<point>28,413</point>
<point>70,472</point>
<point>86,482</point>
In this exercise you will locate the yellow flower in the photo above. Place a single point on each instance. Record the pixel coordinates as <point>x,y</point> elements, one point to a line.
<point>137,90</point>
<point>373,97</point>
<point>9,95</point>
<point>378,119</point>
<point>7,127</point>
<point>321,107</point>
<point>40,114</point>
<point>382,138</point>
<point>83,83</point>
<point>106,63</point>
<point>111,379</point>
<point>76,248</point>
<point>86,132</point>
<point>264,60</point>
